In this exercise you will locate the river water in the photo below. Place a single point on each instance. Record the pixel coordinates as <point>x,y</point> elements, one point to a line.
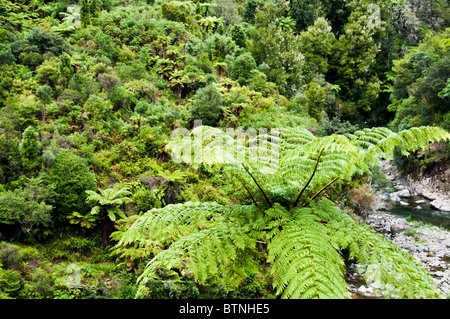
<point>421,212</point>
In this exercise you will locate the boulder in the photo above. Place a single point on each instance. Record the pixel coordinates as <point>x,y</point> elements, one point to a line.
<point>440,204</point>
<point>404,193</point>
<point>394,197</point>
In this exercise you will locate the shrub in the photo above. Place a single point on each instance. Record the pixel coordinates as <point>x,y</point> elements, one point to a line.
<point>48,72</point>
<point>10,255</point>
<point>71,176</point>
<point>207,105</point>
<point>361,199</point>
<point>19,208</point>
<point>10,282</point>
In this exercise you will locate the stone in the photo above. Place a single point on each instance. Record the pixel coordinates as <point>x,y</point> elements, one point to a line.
<point>404,203</point>
<point>394,197</point>
<point>419,207</point>
<point>421,201</point>
<point>404,193</point>
<point>365,291</point>
<point>443,205</point>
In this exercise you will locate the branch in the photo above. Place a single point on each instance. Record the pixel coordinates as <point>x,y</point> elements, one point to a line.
<point>321,190</point>
<point>246,188</point>
<point>260,188</point>
<point>310,179</point>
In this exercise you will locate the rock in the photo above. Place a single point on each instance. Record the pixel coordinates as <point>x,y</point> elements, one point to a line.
<point>419,207</point>
<point>404,193</point>
<point>398,228</point>
<point>365,291</point>
<point>439,204</point>
<point>394,197</point>
<point>352,288</point>
<point>404,203</point>
<point>421,201</point>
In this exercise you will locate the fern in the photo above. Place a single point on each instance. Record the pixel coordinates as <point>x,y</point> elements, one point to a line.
<point>303,239</point>
<point>305,265</point>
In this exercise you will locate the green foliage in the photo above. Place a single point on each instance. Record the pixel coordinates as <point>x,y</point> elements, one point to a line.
<point>29,148</point>
<point>418,80</point>
<point>6,56</point>
<point>316,99</point>
<point>105,46</point>
<point>304,239</point>
<point>71,176</point>
<point>48,72</point>
<point>41,41</point>
<point>207,105</point>
<point>238,36</point>
<point>175,10</point>
<point>281,51</point>
<point>108,202</point>
<point>10,282</point>
<point>65,69</point>
<point>241,68</point>
<point>32,215</point>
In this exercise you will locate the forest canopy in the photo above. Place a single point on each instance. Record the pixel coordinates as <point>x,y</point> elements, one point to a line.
<point>91,92</point>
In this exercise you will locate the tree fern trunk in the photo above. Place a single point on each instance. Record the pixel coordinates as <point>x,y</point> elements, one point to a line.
<point>107,228</point>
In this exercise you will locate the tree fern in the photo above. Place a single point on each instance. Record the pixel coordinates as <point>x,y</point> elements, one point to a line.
<point>303,239</point>
<point>305,265</point>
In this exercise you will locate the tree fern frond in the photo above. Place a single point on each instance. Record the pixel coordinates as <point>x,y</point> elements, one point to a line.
<point>166,224</point>
<point>388,267</point>
<point>305,264</point>
<point>204,255</point>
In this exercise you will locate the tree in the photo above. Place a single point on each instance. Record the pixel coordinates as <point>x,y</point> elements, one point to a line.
<point>301,238</point>
<point>48,72</point>
<point>31,213</point>
<point>6,56</point>
<point>242,66</point>
<point>29,149</point>
<point>85,12</point>
<point>281,51</point>
<point>316,44</point>
<point>207,105</point>
<point>105,45</point>
<point>44,93</point>
<point>305,12</point>
<point>316,96</point>
<point>419,81</point>
<point>65,69</point>
<point>71,176</point>
<point>107,208</point>
<point>352,67</point>
<point>41,41</point>
<point>238,36</point>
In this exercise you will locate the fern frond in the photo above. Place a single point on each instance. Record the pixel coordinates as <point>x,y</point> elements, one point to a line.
<point>165,225</point>
<point>390,268</point>
<point>305,264</point>
<point>204,255</point>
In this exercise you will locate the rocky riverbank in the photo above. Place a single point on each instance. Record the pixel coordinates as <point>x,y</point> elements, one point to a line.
<point>434,188</point>
<point>430,245</point>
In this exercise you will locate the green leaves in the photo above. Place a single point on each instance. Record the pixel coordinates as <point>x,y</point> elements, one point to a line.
<point>305,264</point>
<point>303,240</point>
<point>109,199</point>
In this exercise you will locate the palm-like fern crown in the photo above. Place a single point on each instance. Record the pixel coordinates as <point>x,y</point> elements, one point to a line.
<point>304,239</point>
<point>110,199</point>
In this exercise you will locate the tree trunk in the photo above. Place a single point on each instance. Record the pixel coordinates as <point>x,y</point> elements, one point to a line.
<point>107,229</point>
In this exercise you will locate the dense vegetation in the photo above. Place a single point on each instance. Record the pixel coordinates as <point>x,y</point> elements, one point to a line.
<point>92,90</point>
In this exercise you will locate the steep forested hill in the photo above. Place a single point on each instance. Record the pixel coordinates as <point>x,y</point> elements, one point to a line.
<point>92,90</point>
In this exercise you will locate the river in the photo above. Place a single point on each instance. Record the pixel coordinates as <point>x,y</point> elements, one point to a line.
<point>422,212</point>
